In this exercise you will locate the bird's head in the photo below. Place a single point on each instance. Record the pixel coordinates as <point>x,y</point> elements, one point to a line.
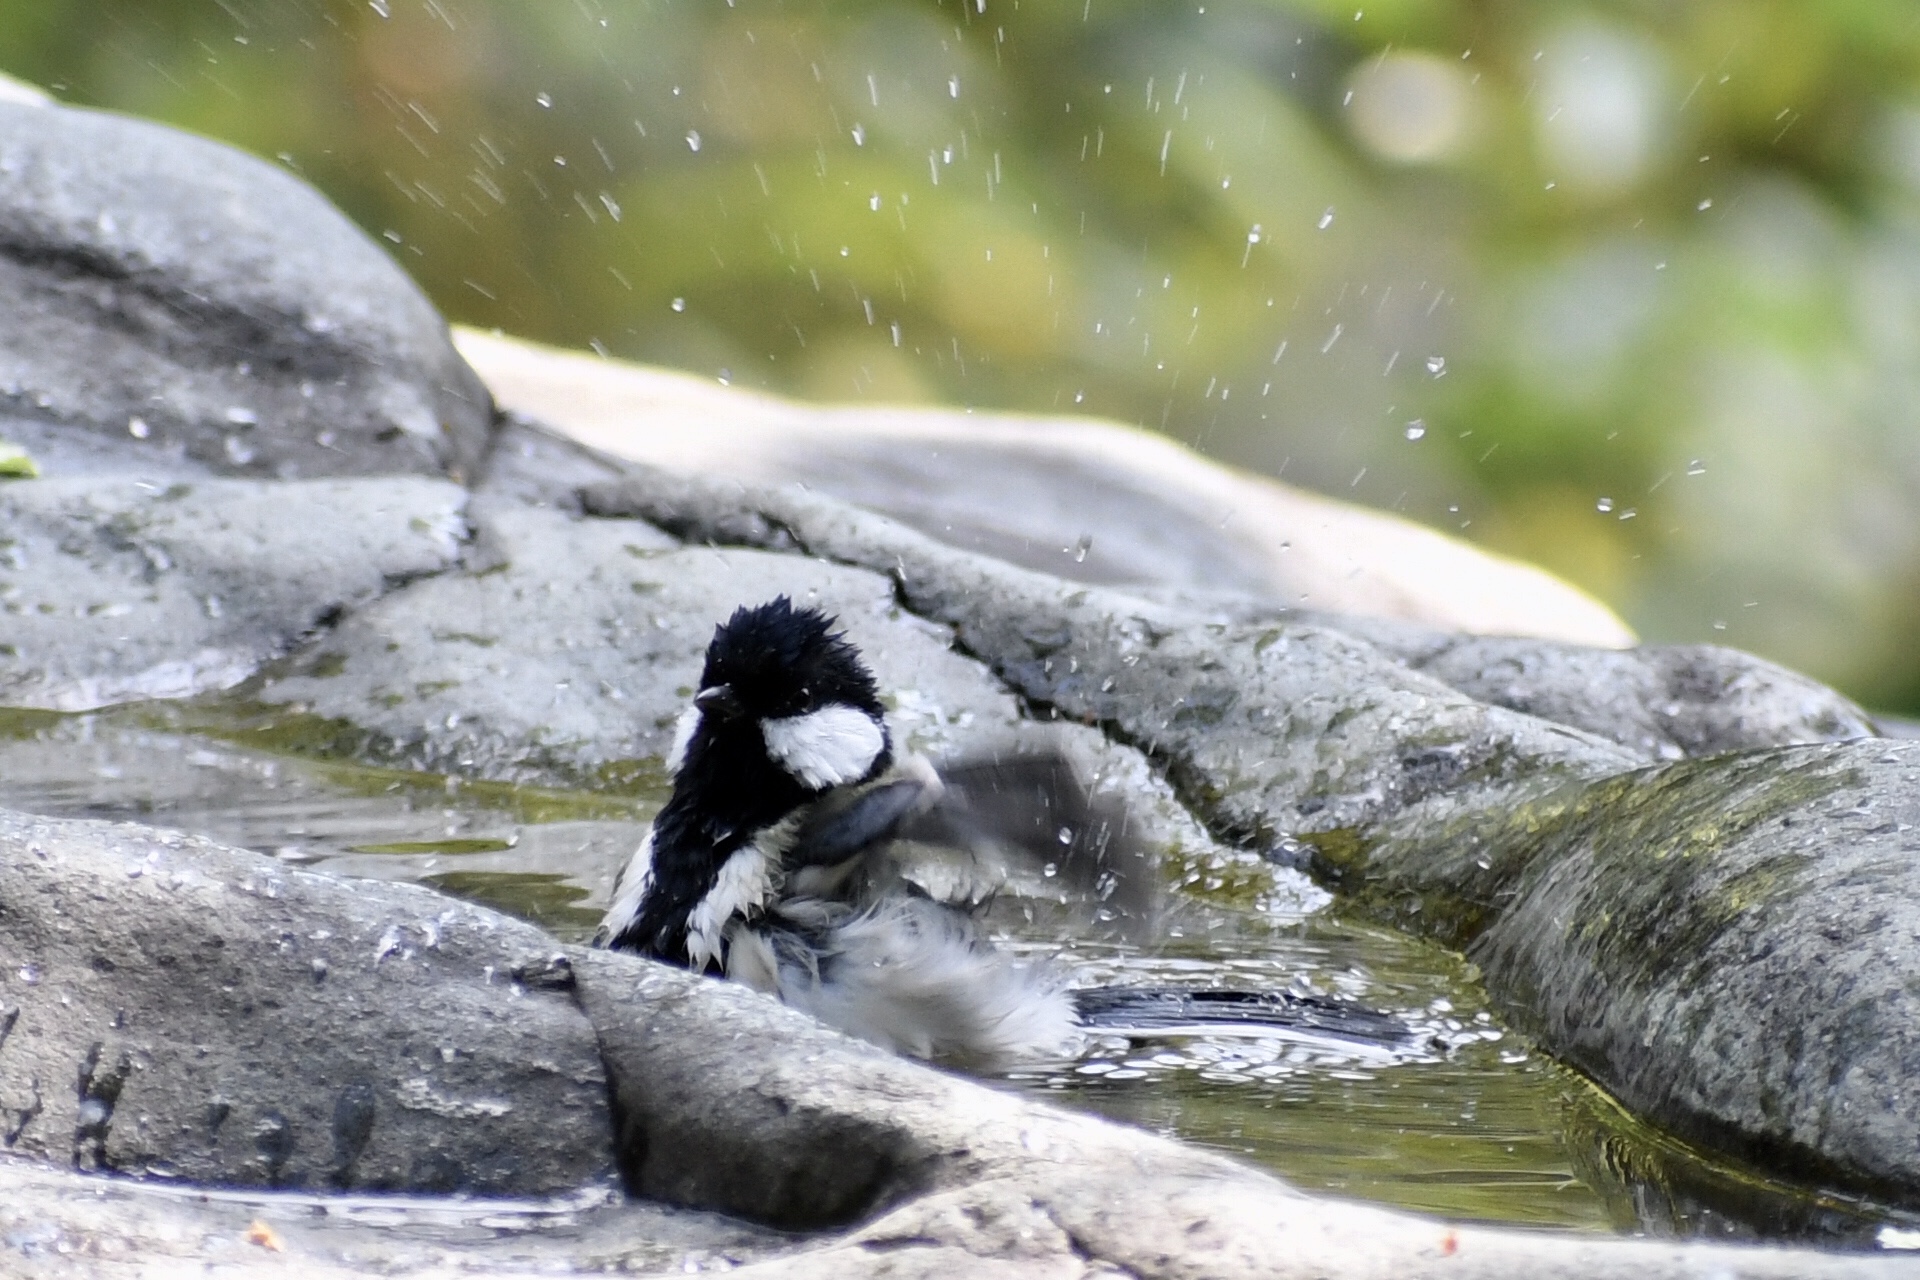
<point>781,680</point>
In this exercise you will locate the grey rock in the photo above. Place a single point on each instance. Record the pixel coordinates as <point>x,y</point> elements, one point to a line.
<point>57,1222</point>
<point>177,1009</point>
<point>1665,702</point>
<point>1728,944</point>
<point>567,648</point>
<point>532,466</point>
<point>971,1182</point>
<point>116,590</point>
<point>171,306</point>
<point>1056,510</point>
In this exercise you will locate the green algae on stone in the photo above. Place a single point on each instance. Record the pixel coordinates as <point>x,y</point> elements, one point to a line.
<point>353,761</point>
<point>547,900</point>
<point>1219,877</point>
<point>450,848</point>
<point>24,722</point>
<point>1724,944</point>
<point>16,463</point>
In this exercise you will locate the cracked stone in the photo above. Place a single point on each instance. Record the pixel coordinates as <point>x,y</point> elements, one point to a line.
<point>115,590</point>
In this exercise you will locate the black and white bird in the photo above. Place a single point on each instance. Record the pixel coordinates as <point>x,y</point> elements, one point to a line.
<point>791,857</point>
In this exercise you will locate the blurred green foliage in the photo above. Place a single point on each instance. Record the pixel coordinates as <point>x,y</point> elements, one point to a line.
<point>1629,288</point>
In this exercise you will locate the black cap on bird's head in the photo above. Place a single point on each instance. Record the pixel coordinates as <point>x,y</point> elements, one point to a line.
<point>775,661</point>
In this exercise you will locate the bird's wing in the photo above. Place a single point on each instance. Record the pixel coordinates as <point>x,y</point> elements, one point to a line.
<point>1034,817</point>
<point>847,821</point>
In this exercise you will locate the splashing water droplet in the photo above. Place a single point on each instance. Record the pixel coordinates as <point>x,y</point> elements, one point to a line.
<point>1605,504</point>
<point>693,139</point>
<point>678,304</point>
<point>544,99</point>
<point>1437,366</point>
<point>859,135</point>
<point>1326,219</point>
<point>1416,429</point>
<point>873,202</point>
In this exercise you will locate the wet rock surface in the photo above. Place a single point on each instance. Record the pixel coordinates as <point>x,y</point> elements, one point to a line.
<point>174,307</point>
<point>113,590</point>
<point>1729,944</point>
<point>1719,941</point>
<point>172,1008</point>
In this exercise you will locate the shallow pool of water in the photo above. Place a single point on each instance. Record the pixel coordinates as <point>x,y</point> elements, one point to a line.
<point>1475,1125</point>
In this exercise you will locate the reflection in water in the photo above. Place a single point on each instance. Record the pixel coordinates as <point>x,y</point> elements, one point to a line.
<point>1474,1125</point>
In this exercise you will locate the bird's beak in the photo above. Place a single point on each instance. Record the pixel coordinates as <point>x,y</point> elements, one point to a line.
<point>718,701</point>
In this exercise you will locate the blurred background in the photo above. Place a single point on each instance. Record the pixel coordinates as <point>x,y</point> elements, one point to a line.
<point>1629,289</point>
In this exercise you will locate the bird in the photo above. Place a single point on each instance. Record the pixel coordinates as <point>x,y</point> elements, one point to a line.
<point>801,854</point>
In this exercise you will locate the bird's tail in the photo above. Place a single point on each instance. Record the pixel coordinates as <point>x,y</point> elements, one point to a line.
<point>1150,1012</point>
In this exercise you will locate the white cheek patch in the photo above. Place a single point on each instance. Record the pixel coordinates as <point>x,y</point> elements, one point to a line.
<point>683,730</point>
<point>827,747</point>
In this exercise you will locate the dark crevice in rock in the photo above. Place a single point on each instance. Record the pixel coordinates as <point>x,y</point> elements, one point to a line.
<point>899,1244</point>
<point>692,521</point>
<point>21,1117</point>
<point>99,1092</point>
